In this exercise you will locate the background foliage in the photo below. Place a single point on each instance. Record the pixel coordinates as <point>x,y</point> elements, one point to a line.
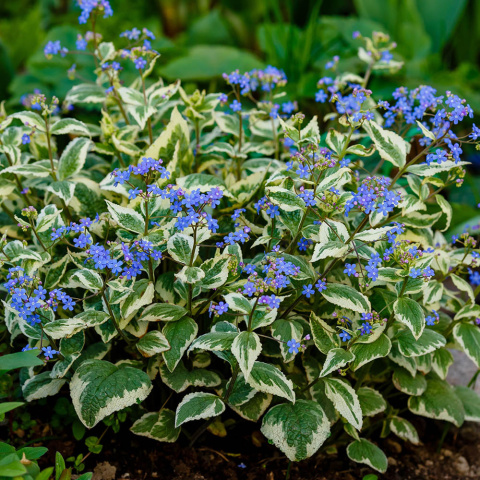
<point>199,40</point>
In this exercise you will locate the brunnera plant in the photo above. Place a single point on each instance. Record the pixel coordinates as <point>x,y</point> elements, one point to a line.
<point>217,255</point>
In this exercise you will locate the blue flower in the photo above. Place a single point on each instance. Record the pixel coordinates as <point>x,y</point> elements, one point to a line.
<point>350,269</point>
<point>249,288</point>
<point>321,285</point>
<point>273,211</point>
<point>236,106</point>
<point>140,63</point>
<point>366,328</point>
<point>474,278</point>
<point>386,56</point>
<point>428,272</point>
<point>372,272</point>
<point>293,346</point>
<point>308,291</point>
<point>321,96</point>
<point>222,307</point>
<point>25,138</point>
<point>345,336</point>
<point>48,352</point>
<point>303,171</point>
<point>415,272</point>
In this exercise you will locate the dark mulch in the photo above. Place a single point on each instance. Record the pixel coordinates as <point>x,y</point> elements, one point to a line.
<point>126,456</point>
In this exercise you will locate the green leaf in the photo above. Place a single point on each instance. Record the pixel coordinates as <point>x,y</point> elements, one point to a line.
<point>428,342</point>
<point>99,388</point>
<point>404,429</point>
<point>63,189</point>
<point>439,401</point>
<point>181,378</point>
<point>70,126</point>
<point>157,426</point>
<point>32,453</point>
<point>441,361</point>
<point>152,343</point>
<point>206,61</point>
<point>190,275</point>
<point>467,336</point>
<point>336,359</point>
<point>41,386</point>
<point>471,403</point>
<point>197,405</point>
<point>410,313</point>
<point>336,141</point>
<point>391,146</point>
<point>426,132</point>
<point>238,303</point>
<point>7,406</point>
<point>283,331</point>
<point>216,271</point>
<point>323,334</point>
<point>11,466</point>
<point>246,348</point>
<point>446,209</point>
<point>163,312</point>
<point>59,465</point>
<point>367,352</point>
<point>335,249</point>
<point>88,279</point>
<point>33,170</point>
<point>346,297</point>
<point>467,311</point>
<point>298,429</point>
<point>73,158</point>
<point>423,170</point>
<point>214,341</point>
<point>30,119</point>
<point>398,358</point>
<point>86,93</point>
<point>126,217</point>
<point>373,234</point>
<point>180,247</point>
<point>64,327</point>
<point>20,360</point>
<point>406,383</point>
<point>363,451</point>
<point>180,335</point>
<point>371,401</point>
<point>266,378</point>
<point>345,400</point>
<point>463,286</point>
<point>286,199</point>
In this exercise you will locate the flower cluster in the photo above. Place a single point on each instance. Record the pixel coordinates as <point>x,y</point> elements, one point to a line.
<point>276,274</point>
<point>373,195</point>
<point>30,299</point>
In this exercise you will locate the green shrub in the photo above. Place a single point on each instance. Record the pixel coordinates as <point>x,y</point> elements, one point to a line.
<point>226,257</point>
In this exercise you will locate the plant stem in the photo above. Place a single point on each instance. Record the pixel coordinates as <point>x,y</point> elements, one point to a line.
<point>149,122</point>
<point>287,475</point>
<point>54,175</point>
<point>117,327</point>
<point>34,230</point>
<point>473,380</point>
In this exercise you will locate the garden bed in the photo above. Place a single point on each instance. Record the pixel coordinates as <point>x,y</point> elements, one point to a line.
<point>236,457</point>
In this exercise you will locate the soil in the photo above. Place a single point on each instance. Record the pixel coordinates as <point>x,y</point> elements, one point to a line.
<point>244,454</point>
<point>129,457</point>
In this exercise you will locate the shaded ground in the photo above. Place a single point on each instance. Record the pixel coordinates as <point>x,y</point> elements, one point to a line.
<point>246,455</point>
<point>136,458</point>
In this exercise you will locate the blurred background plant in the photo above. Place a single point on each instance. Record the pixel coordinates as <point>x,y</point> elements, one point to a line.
<point>198,40</point>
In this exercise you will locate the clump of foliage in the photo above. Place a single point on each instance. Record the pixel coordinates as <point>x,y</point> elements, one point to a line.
<point>209,255</point>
